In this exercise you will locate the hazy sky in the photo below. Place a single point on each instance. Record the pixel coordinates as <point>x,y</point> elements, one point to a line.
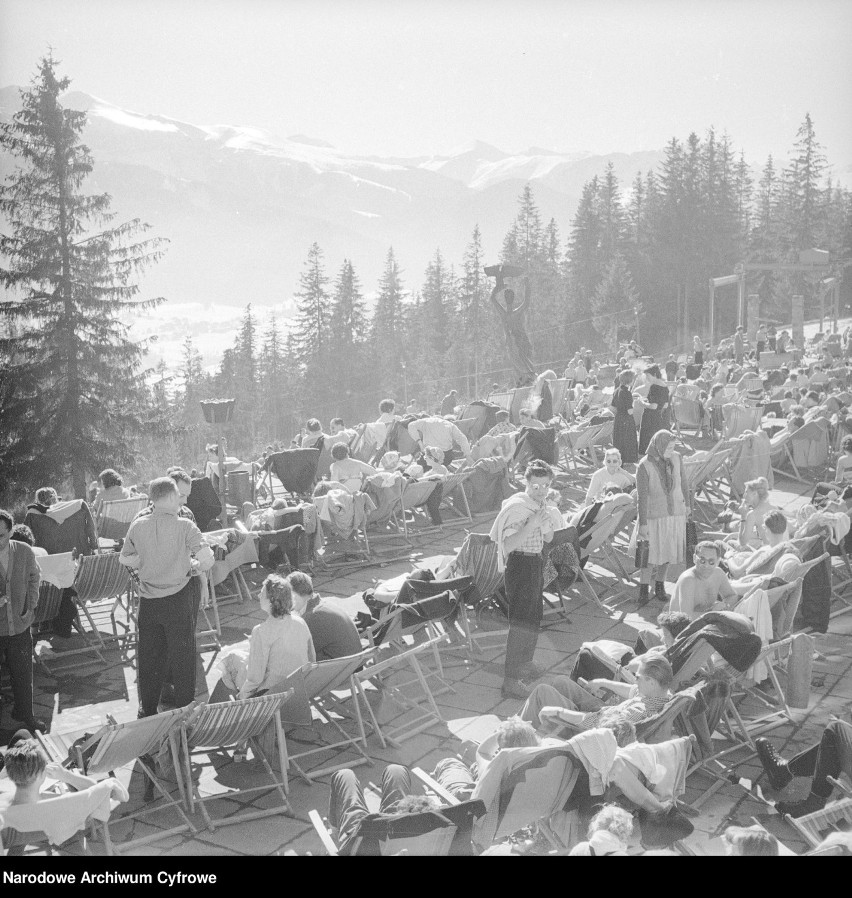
<point>416,78</point>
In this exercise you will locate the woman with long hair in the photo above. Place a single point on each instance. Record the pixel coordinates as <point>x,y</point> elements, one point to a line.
<point>665,504</point>
<point>624,427</point>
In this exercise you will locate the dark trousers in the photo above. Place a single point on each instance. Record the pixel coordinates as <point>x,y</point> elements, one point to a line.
<point>17,652</point>
<point>433,503</point>
<point>523,592</point>
<point>195,589</point>
<point>831,757</point>
<point>347,807</point>
<point>67,612</point>
<point>166,642</point>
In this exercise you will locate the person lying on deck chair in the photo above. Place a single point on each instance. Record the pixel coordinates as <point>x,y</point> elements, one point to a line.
<point>776,531</point>
<point>830,757</point>
<point>568,704</point>
<point>348,471</point>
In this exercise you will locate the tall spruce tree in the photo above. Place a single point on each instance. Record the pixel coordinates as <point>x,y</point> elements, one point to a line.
<point>78,401</point>
<point>387,326</point>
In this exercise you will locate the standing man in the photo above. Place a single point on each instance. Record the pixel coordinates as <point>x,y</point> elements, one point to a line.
<point>19,583</point>
<point>448,404</point>
<point>520,530</point>
<point>160,547</point>
<point>739,348</point>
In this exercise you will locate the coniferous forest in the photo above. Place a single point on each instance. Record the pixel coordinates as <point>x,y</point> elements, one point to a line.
<point>632,260</point>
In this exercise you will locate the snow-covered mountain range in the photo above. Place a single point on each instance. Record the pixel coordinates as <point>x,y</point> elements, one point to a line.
<point>241,205</point>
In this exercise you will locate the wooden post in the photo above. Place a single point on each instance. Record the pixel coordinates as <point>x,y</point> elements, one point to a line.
<point>223,484</point>
<point>800,663</point>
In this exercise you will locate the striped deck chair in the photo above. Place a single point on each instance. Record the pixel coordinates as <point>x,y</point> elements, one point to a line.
<point>705,472</point>
<point>386,493</point>
<point>113,749</point>
<point>740,418</point>
<point>114,518</point>
<point>316,682</point>
<point>781,453</point>
<point>453,489</point>
<point>687,414</point>
<point>596,543</point>
<point>101,584</point>
<point>230,724</point>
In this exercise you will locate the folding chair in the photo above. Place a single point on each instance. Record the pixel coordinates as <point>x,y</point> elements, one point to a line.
<point>332,533</point>
<point>453,486</point>
<point>687,414</point>
<point>413,494</point>
<point>837,817</point>
<point>295,469</point>
<point>115,517</point>
<point>84,809</point>
<point>576,442</point>
<point>118,745</point>
<point>230,724</point>
<point>703,472</point>
<point>386,493</point>
<point>104,582</point>
<point>426,834</point>
<point>315,682</point>
<point>740,418</point>
<point>613,518</point>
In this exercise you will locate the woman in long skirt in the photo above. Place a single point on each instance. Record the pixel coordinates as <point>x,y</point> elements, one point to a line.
<point>624,427</point>
<point>664,506</point>
<point>655,415</point>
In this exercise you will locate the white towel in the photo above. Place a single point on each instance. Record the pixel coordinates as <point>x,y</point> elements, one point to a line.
<point>58,570</point>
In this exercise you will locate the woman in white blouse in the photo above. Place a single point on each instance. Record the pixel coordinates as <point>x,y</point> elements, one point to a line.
<point>611,472</point>
<point>281,644</point>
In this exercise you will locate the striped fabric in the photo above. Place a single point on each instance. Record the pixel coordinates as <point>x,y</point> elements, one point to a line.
<point>477,558</point>
<point>115,517</point>
<point>49,598</point>
<point>229,723</point>
<point>416,492</point>
<point>123,743</point>
<point>100,577</point>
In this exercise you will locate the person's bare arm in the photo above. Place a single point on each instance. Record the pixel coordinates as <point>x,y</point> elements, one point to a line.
<point>622,689</point>
<point>622,775</point>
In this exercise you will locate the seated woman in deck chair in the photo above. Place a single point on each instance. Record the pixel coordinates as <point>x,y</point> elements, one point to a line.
<point>611,472</point>
<point>567,704</point>
<point>348,471</point>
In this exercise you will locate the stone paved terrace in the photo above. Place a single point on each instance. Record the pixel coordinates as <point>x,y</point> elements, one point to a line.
<point>79,700</point>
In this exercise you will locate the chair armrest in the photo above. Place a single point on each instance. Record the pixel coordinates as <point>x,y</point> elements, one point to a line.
<point>434,785</point>
<point>323,833</point>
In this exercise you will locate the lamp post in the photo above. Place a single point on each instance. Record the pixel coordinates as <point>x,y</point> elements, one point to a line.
<point>220,412</point>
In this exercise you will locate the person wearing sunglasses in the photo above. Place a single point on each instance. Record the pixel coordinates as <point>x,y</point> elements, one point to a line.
<point>704,587</point>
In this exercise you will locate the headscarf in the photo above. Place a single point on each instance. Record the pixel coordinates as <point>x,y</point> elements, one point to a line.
<point>656,456</point>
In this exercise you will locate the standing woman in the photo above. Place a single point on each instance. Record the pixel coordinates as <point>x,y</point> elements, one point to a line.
<point>664,505</point>
<point>541,397</point>
<point>624,427</point>
<point>655,415</point>
<point>697,350</point>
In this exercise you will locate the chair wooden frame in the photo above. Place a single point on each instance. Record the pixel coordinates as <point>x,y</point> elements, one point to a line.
<point>115,516</point>
<point>229,724</point>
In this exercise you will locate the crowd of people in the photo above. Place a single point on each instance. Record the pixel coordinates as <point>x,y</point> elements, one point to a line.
<point>166,554</point>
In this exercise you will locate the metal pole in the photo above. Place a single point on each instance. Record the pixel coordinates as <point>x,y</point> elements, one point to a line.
<point>223,486</point>
<point>712,311</point>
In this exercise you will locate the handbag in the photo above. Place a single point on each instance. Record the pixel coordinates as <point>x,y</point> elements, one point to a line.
<point>643,550</point>
<point>691,539</point>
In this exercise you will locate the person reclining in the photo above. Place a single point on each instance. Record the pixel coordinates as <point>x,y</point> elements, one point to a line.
<point>830,757</point>
<point>568,704</point>
<point>350,472</point>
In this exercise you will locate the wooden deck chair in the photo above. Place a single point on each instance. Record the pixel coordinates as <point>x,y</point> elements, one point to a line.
<point>335,552</point>
<point>115,517</point>
<point>459,586</point>
<point>704,474</point>
<point>687,414</point>
<point>386,494</point>
<point>427,834</point>
<point>225,725</point>
<point>295,470</point>
<point>394,655</point>
<point>836,817</point>
<point>413,494</point>
<point>477,559</point>
<point>740,418</point>
<point>316,681</point>
<point>102,584</point>
<point>120,745</point>
<point>781,453</point>
<point>660,727</point>
<point>841,581</point>
<point>575,442</point>
<point>454,494</point>
<point>83,810</point>
<point>612,520</point>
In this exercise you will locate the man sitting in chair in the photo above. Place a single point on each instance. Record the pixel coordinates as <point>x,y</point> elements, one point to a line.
<point>348,471</point>
<point>703,587</point>
<point>333,632</point>
<point>830,757</point>
<point>112,489</point>
<point>567,703</point>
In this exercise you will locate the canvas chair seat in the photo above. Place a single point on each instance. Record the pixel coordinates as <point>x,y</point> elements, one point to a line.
<point>296,469</point>
<point>115,517</point>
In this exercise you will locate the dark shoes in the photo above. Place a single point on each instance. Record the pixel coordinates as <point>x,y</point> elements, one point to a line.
<point>774,765</point>
<point>30,723</point>
<point>516,689</point>
<point>660,593</point>
<point>810,805</point>
<point>644,592</point>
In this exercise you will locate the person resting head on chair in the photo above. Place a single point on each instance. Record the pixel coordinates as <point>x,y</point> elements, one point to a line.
<point>567,704</point>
